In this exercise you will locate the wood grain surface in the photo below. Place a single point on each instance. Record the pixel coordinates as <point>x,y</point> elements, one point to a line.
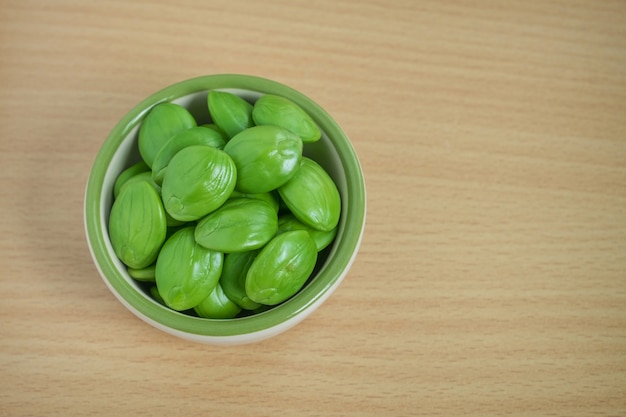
<point>492,276</point>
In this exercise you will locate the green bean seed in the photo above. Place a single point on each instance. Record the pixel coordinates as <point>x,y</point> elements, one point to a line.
<point>239,225</point>
<point>127,174</point>
<point>143,274</point>
<point>186,273</point>
<point>312,196</point>
<point>148,178</point>
<point>233,279</point>
<point>154,292</point>
<point>269,198</point>
<point>230,112</point>
<point>142,177</point>
<point>281,268</point>
<point>137,225</point>
<point>195,136</point>
<point>287,222</point>
<point>162,122</point>
<point>265,156</point>
<point>217,306</point>
<point>279,111</point>
<point>218,130</point>
<point>198,180</point>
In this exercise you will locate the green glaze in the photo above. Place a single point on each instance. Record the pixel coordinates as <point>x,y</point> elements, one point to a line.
<point>266,157</point>
<point>186,273</point>
<point>137,225</point>
<point>240,224</point>
<point>312,196</point>
<point>195,136</point>
<point>229,112</point>
<point>279,111</point>
<point>162,122</point>
<point>288,221</point>
<point>198,180</point>
<point>217,306</point>
<point>127,174</point>
<point>281,268</point>
<point>233,279</point>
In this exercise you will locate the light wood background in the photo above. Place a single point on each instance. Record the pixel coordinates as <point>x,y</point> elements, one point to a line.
<point>492,275</point>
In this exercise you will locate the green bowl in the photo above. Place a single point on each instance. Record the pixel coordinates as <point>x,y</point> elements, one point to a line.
<point>334,152</point>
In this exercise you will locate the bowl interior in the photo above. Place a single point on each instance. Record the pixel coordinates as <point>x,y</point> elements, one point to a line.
<point>120,150</point>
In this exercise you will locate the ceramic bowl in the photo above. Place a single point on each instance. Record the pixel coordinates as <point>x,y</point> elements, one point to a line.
<point>334,152</point>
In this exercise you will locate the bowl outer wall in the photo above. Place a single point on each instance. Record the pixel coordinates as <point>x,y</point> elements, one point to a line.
<point>244,329</point>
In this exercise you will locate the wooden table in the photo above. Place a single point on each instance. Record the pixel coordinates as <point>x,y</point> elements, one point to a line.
<point>492,276</point>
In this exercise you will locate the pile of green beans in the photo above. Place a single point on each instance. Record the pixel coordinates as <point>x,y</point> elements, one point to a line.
<point>228,218</point>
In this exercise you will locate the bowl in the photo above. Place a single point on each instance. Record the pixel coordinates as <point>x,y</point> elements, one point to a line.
<point>333,151</point>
